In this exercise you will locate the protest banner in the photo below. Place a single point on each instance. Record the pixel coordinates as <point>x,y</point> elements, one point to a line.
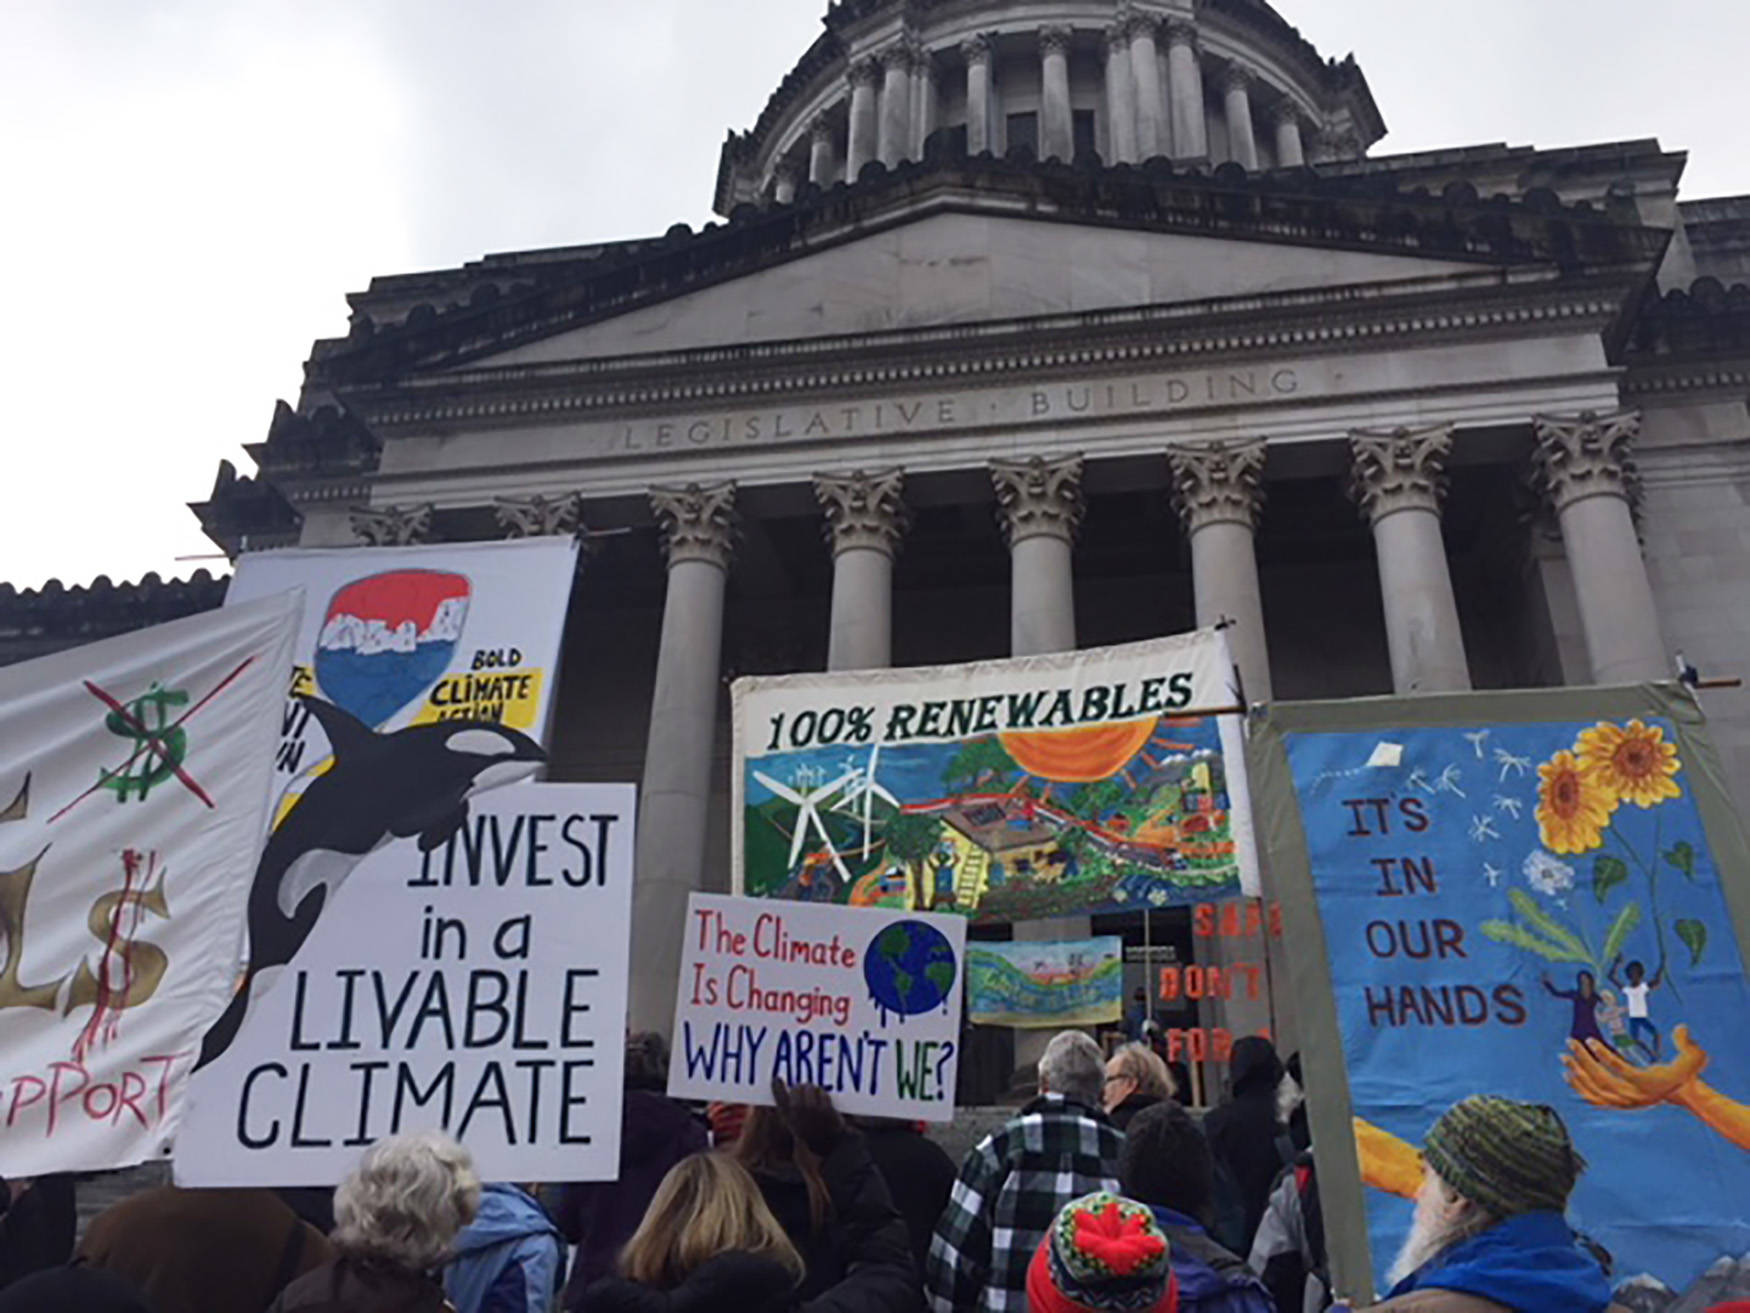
<point>424,675</point>
<point>1530,895</point>
<point>864,1003</point>
<point>133,789</point>
<point>1045,985</point>
<point>479,986</point>
<point>1091,781</point>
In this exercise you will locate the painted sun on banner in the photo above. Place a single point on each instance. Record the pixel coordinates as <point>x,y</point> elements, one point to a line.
<point>1002,790</point>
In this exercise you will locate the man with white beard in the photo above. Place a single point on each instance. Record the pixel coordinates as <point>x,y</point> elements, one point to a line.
<point>1490,1232</point>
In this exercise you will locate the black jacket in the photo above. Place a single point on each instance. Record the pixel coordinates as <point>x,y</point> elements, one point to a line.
<point>37,1232</point>
<point>729,1283</point>
<point>72,1290</point>
<point>861,1260</point>
<point>1133,1104</point>
<point>919,1175</point>
<point>1244,1134</point>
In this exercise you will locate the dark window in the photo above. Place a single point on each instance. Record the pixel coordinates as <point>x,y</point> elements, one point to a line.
<point>1084,133</point>
<point>957,140</point>
<point>1024,131</point>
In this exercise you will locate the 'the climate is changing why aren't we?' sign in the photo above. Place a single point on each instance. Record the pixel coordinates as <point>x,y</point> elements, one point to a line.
<point>860,1001</point>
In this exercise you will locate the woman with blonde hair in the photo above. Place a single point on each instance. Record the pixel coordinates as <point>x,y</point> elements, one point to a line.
<point>1136,1078</point>
<point>714,1238</point>
<point>707,1241</point>
<point>396,1216</point>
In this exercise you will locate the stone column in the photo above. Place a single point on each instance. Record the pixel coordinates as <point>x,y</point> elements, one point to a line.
<point>923,100</point>
<point>820,151</point>
<point>1040,502</point>
<point>784,181</point>
<point>698,525</point>
<point>1056,120</point>
<point>1399,480</point>
<point>1185,70</point>
<point>1218,488</point>
<point>977,54</point>
<point>1218,492</point>
<point>1145,78</point>
<point>1237,89</point>
<point>1120,97</point>
<point>1290,150</point>
<point>865,128</point>
<point>1586,466</point>
<point>1041,505</point>
<point>866,518</point>
<point>895,104</point>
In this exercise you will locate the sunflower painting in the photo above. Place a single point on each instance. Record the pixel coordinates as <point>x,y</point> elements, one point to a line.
<point>1629,763</point>
<point>1580,790</point>
<point>1572,807</point>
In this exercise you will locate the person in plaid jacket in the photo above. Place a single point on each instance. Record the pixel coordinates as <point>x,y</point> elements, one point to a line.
<point>1013,1183</point>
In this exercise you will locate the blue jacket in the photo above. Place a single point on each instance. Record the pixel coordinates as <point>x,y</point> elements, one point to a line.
<point>1211,1280</point>
<point>1530,1263</point>
<point>509,1260</point>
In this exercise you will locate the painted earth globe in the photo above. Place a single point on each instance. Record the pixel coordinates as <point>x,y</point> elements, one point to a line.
<point>909,968</point>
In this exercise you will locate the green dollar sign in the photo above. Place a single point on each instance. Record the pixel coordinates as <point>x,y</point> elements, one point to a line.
<point>159,746</point>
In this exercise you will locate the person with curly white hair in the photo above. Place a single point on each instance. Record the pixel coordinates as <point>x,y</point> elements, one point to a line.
<point>396,1216</point>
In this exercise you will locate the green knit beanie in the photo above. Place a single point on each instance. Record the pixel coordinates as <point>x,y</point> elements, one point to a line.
<point>1509,1157</point>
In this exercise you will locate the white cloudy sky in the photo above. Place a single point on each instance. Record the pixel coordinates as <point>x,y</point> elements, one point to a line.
<point>190,186</point>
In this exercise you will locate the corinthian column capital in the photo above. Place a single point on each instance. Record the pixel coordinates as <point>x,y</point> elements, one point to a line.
<point>1182,32</point>
<point>1039,497</point>
<point>1218,483</point>
<point>698,522</point>
<point>1054,40</point>
<point>538,516</point>
<point>1588,455</point>
<point>864,510</point>
<point>976,49</point>
<point>866,72</point>
<point>1399,470</point>
<point>392,526</point>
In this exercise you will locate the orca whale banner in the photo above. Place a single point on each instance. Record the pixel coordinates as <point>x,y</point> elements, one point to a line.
<point>423,676</point>
<point>478,985</point>
<point>1105,780</point>
<point>133,792</point>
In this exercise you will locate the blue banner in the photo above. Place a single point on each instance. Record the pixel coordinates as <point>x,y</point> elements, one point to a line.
<point>1533,910</point>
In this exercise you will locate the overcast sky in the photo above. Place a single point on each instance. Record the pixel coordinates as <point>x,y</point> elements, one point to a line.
<point>192,186</point>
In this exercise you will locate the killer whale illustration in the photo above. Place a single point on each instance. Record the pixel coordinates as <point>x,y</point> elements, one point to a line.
<point>381,787</point>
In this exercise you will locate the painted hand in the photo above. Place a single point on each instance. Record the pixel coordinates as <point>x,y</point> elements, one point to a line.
<point>1387,1163</point>
<point>1605,1079</point>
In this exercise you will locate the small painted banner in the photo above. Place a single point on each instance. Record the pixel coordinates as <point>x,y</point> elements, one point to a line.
<point>1033,985</point>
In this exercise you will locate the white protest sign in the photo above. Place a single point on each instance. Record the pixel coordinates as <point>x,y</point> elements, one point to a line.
<point>479,986</point>
<point>862,1002</point>
<point>134,781</point>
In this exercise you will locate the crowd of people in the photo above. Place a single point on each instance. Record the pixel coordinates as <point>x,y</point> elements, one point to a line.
<point>1103,1193</point>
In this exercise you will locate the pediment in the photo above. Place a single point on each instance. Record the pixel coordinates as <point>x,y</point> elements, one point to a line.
<point>959,268</point>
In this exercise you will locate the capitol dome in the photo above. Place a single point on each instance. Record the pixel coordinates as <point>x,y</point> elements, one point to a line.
<point>1209,82</point>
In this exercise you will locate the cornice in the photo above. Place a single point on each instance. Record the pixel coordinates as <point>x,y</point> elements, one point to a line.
<point>1297,209</point>
<point>1319,321</point>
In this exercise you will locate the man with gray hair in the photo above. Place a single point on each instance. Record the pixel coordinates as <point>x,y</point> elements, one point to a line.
<point>1011,1186</point>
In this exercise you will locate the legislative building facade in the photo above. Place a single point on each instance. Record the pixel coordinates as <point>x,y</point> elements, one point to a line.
<point>1054,323</point>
